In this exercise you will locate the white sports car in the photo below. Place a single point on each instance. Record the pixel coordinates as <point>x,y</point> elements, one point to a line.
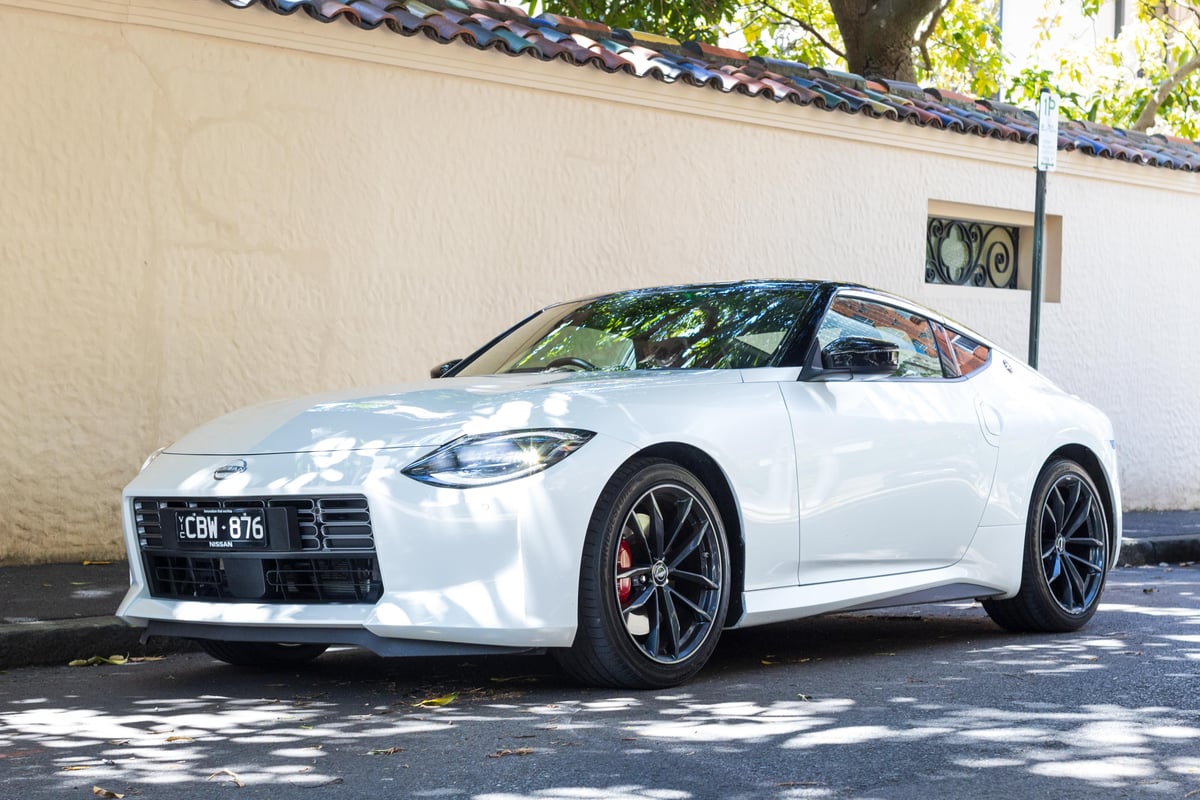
<point>617,479</point>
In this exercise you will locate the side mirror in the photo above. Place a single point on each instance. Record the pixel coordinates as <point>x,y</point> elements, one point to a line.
<point>441,369</point>
<point>860,355</point>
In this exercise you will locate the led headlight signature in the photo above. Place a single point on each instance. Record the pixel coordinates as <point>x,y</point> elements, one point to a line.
<point>491,458</point>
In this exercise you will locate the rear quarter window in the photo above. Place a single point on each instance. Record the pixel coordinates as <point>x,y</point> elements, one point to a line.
<point>961,355</point>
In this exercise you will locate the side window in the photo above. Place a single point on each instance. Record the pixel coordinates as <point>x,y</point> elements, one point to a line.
<point>961,355</point>
<point>971,354</point>
<point>911,333</point>
<point>947,351</point>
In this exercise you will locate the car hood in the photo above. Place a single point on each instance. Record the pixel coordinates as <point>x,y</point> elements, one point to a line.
<point>433,412</point>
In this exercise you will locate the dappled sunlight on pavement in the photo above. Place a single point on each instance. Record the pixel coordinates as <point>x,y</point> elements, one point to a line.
<point>934,696</point>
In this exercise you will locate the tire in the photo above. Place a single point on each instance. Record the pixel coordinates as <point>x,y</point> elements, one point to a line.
<point>261,654</point>
<point>654,581</point>
<point>1066,555</point>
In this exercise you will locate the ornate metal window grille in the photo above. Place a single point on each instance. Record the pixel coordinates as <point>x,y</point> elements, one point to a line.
<point>964,253</point>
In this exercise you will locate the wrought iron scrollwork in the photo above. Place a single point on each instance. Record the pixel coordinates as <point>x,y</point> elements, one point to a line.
<point>964,253</point>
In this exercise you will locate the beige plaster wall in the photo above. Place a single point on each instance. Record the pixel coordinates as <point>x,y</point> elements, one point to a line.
<point>204,208</point>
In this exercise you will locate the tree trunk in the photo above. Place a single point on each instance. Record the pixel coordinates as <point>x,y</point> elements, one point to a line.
<point>880,34</point>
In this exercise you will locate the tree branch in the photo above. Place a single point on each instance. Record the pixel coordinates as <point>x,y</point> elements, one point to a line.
<point>1150,110</point>
<point>805,26</point>
<point>923,39</point>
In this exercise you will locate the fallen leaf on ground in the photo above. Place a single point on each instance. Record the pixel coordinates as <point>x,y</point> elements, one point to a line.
<point>96,563</point>
<point>520,751</point>
<point>236,780</point>
<point>76,767</point>
<point>436,702</point>
<point>99,792</point>
<point>95,661</point>
<point>180,739</point>
<point>385,751</point>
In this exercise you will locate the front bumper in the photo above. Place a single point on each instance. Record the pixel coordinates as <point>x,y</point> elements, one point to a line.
<point>490,566</point>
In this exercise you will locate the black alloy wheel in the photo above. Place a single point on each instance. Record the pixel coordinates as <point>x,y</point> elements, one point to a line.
<point>654,584</point>
<point>1066,555</point>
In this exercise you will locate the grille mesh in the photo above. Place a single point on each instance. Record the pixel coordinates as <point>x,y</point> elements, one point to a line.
<point>283,580</point>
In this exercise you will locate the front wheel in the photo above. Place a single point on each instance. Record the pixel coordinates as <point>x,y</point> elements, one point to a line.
<point>654,583</point>
<point>1066,555</point>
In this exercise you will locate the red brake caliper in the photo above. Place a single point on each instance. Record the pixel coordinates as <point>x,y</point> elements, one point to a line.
<point>624,562</point>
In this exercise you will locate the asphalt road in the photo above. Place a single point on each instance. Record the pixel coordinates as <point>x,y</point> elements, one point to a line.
<point>926,702</point>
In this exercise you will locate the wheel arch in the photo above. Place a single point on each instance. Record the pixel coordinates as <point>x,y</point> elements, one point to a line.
<point>1084,457</point>
<point>705,467</point>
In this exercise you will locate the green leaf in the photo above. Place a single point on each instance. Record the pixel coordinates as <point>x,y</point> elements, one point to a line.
<point>438,702</point>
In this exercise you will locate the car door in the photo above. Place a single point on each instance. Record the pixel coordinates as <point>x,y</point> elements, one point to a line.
<point>895,470</point>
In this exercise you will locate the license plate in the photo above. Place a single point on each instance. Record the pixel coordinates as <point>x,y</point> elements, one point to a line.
<point>222,528</point>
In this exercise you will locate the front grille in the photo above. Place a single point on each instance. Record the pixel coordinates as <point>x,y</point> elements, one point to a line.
<point>332,523</point>
<point>333,558</point>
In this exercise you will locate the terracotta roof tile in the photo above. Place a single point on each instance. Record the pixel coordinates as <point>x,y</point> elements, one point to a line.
<point>486,24</point>
<point>903,89</point>
<point>586,27</point>
<point>847,79</point>
<point>715,55</point>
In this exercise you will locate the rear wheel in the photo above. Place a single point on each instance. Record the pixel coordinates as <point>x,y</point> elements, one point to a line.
<point>654,582</point>
<point>1066,555</point>
<point>261,654</point>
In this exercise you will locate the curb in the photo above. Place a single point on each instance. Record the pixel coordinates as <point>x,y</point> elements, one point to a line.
<point>1160,550</point>
<point>57,643</point>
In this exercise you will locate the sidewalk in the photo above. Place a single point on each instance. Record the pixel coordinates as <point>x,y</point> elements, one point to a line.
<point>56,613</point>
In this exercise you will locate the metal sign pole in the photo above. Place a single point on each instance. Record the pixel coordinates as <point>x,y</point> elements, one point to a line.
<point>1035,300</point>
<point>1047,155</point>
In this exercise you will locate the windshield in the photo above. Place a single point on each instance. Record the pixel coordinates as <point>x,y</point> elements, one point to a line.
<point>717,327</point>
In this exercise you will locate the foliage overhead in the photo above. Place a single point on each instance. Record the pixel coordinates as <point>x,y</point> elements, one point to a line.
<point>679,19</point>
<point>1147,78</point>
<point>954,44</point>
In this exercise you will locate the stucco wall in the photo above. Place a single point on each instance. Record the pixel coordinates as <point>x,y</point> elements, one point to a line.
<point>193,221</point>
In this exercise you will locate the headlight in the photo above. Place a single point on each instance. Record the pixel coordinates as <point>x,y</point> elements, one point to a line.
<point>495,457</point>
